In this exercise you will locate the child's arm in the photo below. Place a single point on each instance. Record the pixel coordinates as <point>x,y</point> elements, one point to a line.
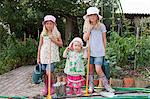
<point>86,36</point>
<point>85,51</point>
<point>104,40</point>
<point>65,52</point>
<point>39,49</point>
<point>87,27</point>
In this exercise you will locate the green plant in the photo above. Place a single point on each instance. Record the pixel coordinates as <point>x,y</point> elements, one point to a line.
<point>3,36</point>
<point>119,48</point>
<point>16,53</point>
<point>121,52</point>
<point>143,51</point>
<point>61,64</point>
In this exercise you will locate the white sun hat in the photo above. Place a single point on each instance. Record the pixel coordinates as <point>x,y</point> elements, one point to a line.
<point>74,40</point>
<point>92,10</point>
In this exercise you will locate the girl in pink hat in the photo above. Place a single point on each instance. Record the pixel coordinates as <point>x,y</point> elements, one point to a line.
<point>96,31</point>
<point>48,50</point>
<point>74,67</point>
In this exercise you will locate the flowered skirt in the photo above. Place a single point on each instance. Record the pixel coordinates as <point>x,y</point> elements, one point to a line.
<point>75,81</point>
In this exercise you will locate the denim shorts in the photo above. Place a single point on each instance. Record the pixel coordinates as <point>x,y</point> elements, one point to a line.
<point>46,67</point>
<point>96,60</point>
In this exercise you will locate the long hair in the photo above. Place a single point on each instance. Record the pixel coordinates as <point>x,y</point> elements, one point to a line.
<point>54,31</point>
<point>88,26</point>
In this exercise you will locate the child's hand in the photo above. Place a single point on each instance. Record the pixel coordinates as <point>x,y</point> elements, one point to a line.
<point>67,48</point>
<point>52,38</point>
<point>65,52</point>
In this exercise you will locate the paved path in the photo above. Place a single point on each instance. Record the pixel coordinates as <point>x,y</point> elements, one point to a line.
<point>18,83</point>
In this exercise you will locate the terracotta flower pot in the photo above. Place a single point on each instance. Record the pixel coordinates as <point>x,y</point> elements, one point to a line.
<point>128,82</point>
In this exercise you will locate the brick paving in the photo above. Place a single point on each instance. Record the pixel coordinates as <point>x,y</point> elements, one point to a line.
<point>18,83</point>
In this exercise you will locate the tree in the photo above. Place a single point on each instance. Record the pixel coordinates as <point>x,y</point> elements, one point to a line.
<point>19,17</point>
<point>68,10</point>
<point>25,16</point>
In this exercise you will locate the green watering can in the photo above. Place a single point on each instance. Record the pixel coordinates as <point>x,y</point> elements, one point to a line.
<point>37,74</point>
<point>105,68</point>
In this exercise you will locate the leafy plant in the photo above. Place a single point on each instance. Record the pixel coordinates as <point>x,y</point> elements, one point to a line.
<point>17,53</point>
<point>119,48</point>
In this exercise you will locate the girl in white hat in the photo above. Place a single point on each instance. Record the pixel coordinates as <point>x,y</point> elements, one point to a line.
<point>74,67</point>
<point>48,50</point>
<point>96,31</point>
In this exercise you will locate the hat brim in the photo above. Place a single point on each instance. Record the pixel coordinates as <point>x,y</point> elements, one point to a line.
<point>99,16</point>
<point>48,20</point>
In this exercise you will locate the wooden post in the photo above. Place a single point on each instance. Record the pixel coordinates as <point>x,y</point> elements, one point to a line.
<point>38,33</point>
<point>24,38</point>
<point>113,16</point>
<point>102,10</point>
<point>136,45</point>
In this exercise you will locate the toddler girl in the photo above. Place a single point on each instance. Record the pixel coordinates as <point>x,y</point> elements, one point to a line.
<point>74,67</point>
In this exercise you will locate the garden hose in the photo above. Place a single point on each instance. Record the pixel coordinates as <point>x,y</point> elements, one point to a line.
<point>144,90</point>
<point>122,97</point>
<point>14,97</point>
<point>22,97</point>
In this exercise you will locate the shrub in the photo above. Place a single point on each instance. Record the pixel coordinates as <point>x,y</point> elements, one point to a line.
<point>17,53</point>
<point>123,51</point>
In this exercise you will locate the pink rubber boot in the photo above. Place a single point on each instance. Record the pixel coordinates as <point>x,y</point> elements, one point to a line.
<point>52,88</point>
<point>45,90</point>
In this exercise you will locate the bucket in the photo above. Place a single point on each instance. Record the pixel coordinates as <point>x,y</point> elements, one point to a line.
<point>60,89</point>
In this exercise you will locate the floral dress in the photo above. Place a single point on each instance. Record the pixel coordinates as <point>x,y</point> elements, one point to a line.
<point>74,69</point>
<point>49,51</point>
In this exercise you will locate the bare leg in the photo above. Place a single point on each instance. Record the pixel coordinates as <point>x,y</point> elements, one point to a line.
<point>101,74</point>
<point>99,71</point>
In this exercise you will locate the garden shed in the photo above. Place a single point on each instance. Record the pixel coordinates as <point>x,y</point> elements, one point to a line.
<point>138,12</point>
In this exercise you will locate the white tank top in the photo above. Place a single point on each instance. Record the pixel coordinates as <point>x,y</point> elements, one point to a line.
<point>49,48</point>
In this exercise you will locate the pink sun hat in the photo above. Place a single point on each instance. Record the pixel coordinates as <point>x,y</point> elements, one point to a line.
<point>49,18</point>
<point>74,40</point>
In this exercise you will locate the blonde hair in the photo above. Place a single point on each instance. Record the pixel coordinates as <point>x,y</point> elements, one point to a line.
<point>87,27</point>
<point>55,31</point>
